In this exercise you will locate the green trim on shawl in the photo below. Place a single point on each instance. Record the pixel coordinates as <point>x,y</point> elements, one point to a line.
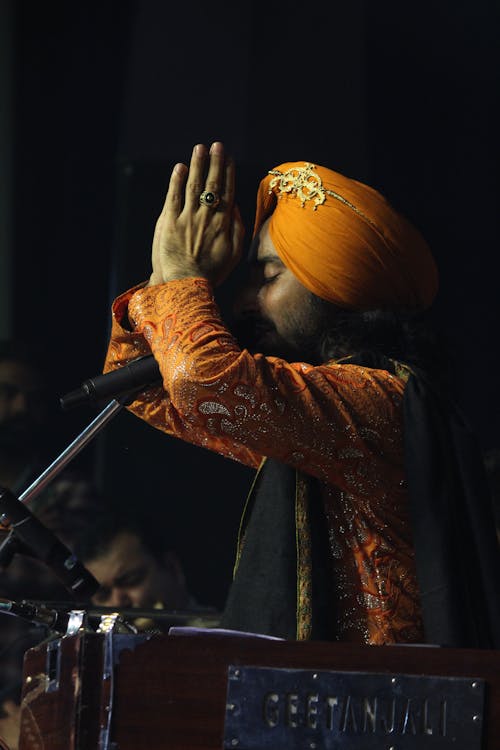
<point>245,514</point>
<point>304,558</point>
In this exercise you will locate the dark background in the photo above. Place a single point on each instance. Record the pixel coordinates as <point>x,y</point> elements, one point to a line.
<point>108,96</point>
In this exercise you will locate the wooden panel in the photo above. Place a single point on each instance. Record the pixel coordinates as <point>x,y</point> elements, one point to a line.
<point>169,693</point>
<point>66,718</point>
<point>180,705</point>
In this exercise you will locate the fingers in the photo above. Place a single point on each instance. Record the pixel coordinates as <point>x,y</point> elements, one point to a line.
<point>196,179</point>
<point>172,207</point>
<point>186,185</point>
<point>228,195</point>
<point>215,176</point>
<point>215,180</point>
<point>236,235</point>
<point>175,195</point>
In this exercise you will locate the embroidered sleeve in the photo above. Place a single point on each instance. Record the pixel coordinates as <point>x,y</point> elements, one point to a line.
<point>154,404</point>
<point>336,422</point>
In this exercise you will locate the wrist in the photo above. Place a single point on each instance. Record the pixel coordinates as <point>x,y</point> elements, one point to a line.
<point>156,279</point>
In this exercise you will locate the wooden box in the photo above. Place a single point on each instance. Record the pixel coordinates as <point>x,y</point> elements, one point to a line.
<point>126,692</point>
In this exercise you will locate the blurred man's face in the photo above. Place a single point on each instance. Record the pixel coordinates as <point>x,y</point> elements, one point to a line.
<point>276,315</point>
<point>22,409</point>
<point>130,576</point>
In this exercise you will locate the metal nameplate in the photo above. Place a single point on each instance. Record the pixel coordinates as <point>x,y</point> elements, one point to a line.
<point>284,709</point>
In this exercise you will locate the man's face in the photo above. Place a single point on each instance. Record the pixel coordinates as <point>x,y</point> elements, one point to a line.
<point>130,576</point>
<point>275,314</point>
<point>22,408</point>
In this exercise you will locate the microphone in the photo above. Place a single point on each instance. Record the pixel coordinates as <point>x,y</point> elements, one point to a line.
<point>36,613</point>
<point>136,374</point>
<point>45,546</point>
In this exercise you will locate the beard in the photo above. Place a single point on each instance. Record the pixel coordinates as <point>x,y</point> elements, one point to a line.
<point>298,338</point>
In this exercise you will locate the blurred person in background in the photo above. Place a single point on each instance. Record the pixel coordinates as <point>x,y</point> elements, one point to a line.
<point>24,412</point>
<point>134,561</point>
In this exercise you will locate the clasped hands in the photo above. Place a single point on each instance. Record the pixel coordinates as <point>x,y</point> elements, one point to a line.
<point>191,238</point>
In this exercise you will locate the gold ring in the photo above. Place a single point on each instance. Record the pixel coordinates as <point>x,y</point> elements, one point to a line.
<point>209,199</point>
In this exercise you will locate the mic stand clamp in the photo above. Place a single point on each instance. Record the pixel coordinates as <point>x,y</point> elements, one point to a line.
<point>66,621</point>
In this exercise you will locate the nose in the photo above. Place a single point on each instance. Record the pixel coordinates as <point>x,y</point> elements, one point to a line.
<point>119,598</point>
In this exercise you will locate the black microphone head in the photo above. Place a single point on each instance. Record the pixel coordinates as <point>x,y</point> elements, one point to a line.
<point>45,546</point>
<point>75,398</point>
<point>117,384</point>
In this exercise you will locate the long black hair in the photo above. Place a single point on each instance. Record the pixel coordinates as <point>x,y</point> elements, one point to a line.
<point>410,337</point>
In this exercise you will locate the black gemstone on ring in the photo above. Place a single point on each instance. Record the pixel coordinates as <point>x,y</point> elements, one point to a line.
<point>209,197</point>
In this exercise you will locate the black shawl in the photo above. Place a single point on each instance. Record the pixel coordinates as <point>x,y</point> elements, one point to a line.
<point>456,550</point>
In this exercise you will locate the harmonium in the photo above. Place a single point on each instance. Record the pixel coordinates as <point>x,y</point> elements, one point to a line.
<point>202,690</point>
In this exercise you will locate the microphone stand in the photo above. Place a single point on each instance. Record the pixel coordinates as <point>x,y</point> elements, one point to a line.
<point>72,450</point>
<point>17,539</point>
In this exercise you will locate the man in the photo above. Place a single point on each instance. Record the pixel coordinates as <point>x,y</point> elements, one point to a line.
<point>331,545</point>
<point>133,571</point>
<point>135,567</point>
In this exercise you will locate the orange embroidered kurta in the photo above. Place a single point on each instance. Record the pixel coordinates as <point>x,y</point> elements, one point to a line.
<point>340,423</point>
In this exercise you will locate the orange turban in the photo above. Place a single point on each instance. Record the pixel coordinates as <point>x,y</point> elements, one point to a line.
<point>344,241</point>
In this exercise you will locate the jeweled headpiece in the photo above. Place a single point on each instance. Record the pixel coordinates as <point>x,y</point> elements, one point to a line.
<point>307,185</point>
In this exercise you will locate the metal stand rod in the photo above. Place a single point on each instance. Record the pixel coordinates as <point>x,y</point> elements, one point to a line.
<point>73,449</point>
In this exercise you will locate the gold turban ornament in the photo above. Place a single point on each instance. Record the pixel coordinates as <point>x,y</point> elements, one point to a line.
<point>344,241</point>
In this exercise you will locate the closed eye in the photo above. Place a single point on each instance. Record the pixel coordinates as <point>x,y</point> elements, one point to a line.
<point>132,577</point>
<point>269,279</point>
